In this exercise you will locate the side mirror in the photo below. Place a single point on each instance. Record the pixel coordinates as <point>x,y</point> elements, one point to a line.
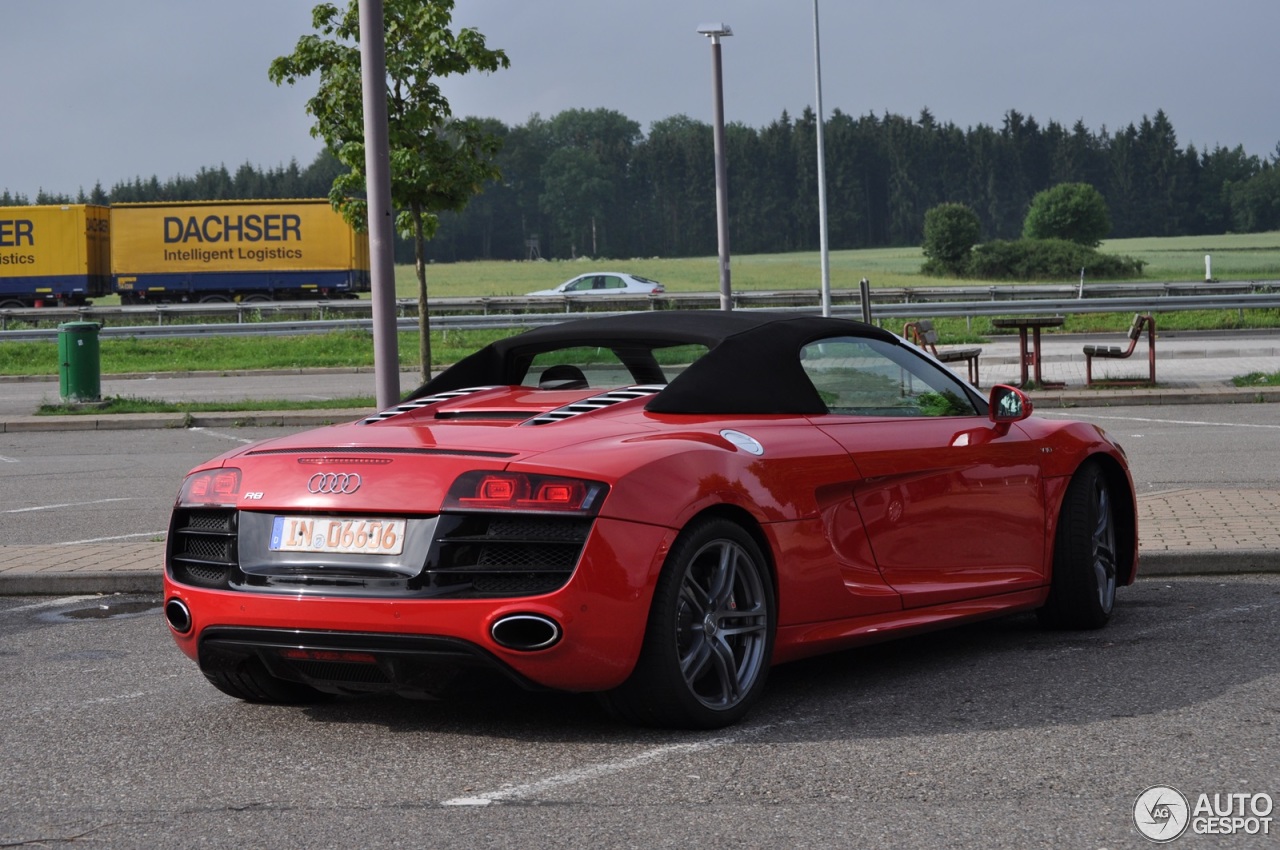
<point>1008,404</point>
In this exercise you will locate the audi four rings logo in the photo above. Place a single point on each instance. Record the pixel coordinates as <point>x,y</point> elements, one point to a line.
<point>334,482</point>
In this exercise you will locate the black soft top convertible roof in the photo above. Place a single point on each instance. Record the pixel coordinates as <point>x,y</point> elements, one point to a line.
<point>752,364</point>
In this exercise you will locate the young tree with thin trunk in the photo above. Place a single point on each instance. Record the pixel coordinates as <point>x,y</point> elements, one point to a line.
<point>438,162</point>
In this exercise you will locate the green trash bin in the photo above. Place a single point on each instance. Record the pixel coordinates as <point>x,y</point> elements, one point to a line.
<point>79,362</point>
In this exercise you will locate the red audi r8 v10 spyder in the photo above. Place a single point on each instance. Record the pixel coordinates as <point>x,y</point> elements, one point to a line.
<point>655,507</point>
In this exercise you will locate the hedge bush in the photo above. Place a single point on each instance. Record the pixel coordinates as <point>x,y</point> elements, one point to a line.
<point>1047,259</point>
<point>1074,211</point>
<point>950,232</point>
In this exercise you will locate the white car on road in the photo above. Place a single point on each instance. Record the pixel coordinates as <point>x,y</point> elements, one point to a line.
<point>606,283</point>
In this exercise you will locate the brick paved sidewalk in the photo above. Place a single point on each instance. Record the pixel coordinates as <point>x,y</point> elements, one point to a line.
<point>1209,521</point>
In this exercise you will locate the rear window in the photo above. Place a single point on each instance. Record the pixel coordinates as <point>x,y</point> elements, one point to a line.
<point>600,367</point>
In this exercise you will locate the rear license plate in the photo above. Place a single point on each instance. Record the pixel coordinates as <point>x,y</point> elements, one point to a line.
<point>330,535</point>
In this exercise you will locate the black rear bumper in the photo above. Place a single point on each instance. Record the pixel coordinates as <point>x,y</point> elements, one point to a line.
<point>356,662</point>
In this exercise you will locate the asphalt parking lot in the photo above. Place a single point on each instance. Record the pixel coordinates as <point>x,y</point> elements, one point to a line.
<point>997,735</point>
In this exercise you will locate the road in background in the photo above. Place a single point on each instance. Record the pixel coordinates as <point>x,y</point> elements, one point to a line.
<point>102,486</point>
<point>1192,445</point>
<point>81,486</point>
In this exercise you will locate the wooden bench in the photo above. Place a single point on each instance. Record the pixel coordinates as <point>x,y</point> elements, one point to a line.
<point>922,333</point>
<point>1141,322</point>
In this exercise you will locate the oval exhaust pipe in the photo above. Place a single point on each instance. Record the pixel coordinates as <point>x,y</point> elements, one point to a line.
<point>178,615</point>
<point>526,632</point>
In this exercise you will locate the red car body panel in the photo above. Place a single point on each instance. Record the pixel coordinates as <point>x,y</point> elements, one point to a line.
<point>872,525</point>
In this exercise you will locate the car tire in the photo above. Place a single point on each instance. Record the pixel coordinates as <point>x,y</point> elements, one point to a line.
<point>709,639</point>
<point>1083,586</point>
<point>251,682</point>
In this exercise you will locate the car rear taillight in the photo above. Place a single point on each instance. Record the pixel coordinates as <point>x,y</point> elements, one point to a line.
<point>211,487</point>
<point>522,491</point>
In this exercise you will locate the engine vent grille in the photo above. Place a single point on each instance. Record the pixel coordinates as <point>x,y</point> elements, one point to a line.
<point>202,547</point>
<point>419,403</point>
<point>596,402</point>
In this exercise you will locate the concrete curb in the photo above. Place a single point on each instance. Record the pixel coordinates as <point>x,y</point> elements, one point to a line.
<point>1206,562</point>
<point>77,583</point>
<point>1156,396</point>
<point>150,421</point>
<point>1153,565</point>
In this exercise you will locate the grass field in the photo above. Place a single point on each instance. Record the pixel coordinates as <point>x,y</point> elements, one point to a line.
<point>1251,256</point>
<point>1246,256</point>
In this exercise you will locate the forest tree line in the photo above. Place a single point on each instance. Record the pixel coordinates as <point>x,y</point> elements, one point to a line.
<point>591,183</point>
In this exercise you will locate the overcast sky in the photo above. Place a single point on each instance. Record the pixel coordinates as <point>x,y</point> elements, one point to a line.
<point>106,91</point>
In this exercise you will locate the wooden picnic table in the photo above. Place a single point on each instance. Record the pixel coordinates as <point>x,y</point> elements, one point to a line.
<point>1030,358</point>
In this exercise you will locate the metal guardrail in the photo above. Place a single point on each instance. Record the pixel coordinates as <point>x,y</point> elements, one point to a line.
<point>256,312</point>
<point>900,310</point>
<point>1127,304</point>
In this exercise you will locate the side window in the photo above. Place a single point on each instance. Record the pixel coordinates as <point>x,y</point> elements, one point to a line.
<point>869,377</point>
<point>579,285</point>
<point>612,282</point>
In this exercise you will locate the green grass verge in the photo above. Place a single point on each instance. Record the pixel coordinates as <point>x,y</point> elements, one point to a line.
<point>1258,379</point>
<point>123,404</point>
<point>232,354</point>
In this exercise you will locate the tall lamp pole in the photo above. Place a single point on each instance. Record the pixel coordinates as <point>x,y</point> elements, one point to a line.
<point>715,32</point>
<point>373,78</point>
<point>822,174</point>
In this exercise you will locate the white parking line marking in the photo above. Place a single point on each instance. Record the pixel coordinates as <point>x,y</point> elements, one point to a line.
<point>4,459</point>
<point>51,603</point>
<point>160,534</point>
<point>1084,416</point>
<point>585,774</point>
<point>67,505</point>
<point>119,698</point>
<point>61,707</point>
<point>222,436</point>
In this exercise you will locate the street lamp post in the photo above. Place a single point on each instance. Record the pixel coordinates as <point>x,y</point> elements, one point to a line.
<point>822,173</point>
<point>373,77</point>
<point>715,32</point>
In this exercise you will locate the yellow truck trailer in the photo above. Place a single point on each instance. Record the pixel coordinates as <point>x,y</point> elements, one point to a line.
<point>235,251</point>
<point>53,254</point>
